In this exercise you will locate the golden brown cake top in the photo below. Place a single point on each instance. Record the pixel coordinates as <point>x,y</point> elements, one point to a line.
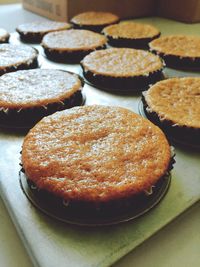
<point>37,87</point>
<point>177,45</point>
<point>95,153</point>
<point>95,18</point>
<point>14,55</point>
<point>131,30</point>
<point>73,40</point>
<point>122,62</point>
<point>177,100</point>
<point>4,35</point>
<point>43,27</point>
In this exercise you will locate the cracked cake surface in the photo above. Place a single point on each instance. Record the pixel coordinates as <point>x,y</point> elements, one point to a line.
<point>15,55</point>
<point>36,87</point>
<point>95,153</point>
<point>122,62</point>
<point>94,18</point>
<point>42,27</point>
<point>176,100</point>
<point>177,45</point>
<point>131,30</point>
<point>73,40</point>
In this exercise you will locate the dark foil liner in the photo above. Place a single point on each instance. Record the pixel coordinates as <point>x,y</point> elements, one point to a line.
<point>177,62</point>
<point>86,214</point>
<point>68,56</point>
<point>180,134</point>
<point>95,214</point>
<point>23,66</point>
<point>122,85</point>
<point>31,37</point>
<point>137,43</point>
<point>30,116</point>
<point>94,28</point>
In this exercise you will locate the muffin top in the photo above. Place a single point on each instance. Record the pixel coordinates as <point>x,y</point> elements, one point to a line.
<point>177,45</point>
<point>131,30</point>
<point>122,62</point>
<point>95,153</point>
<point>14,55</point>
<point>73,40</point>
<point>43,27</point>
<point>176,100</point>
<point>36,87</point>
<point>4,35</point>
<point>95,18</point>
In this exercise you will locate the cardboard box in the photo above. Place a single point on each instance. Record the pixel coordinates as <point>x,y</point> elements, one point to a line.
<point>64,10</point>
<point>183,10</point>
<point>55,10</point>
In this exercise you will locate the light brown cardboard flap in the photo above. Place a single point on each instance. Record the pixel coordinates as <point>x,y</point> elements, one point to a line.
<point>65,9</point>
<point>56,10</point>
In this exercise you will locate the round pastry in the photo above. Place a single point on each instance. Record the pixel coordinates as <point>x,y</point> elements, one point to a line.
<point>4,36</point>
<point>95,155</point>
<point>94,21</point>
<point>34,31</point>
<point>28,95</point>
<point>130,34</point>
<point>174,104</point>
<point>122,68</point>
<point>72,44</point>
<point>17,57</point>
<point>178,51</point>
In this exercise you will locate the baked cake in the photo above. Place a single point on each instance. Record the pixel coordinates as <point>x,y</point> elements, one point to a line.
<point>94,21</point>
<point>28,95</point>
<point>34,31</point>
<point>17,57</point>
<point>130,34</point>
<point>179,51</point>
<point>72,44</point>
<point>4,36</point>
<point>122,68</point>
<point>174,104</point>
<point>95,155</point>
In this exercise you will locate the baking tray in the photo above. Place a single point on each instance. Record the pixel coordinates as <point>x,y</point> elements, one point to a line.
<point>52,243</point>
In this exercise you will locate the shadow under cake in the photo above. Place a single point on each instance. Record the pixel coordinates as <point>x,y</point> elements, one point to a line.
<point>94,159</point>
<point>28,95</point>
<point>178,51</point>
<point>122,69</point>
<point>94,21</point>
<point>4,36</point>
<point>72,45</point>
<point>35,31</point>
<point>130,34</point>
<point>174,105</point>
<point>17,57</point>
